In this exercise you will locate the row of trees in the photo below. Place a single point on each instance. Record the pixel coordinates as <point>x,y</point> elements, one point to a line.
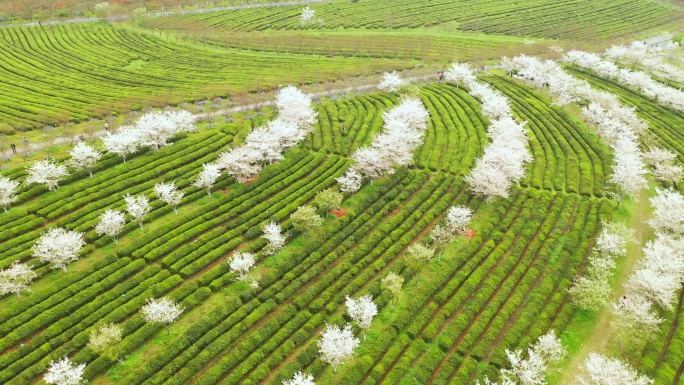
<point>659,275</point>
<point>653,58</point>
<point>639,80</point>
<point>617,125</point>
<point>105,339</point>
<point>531,369</point>
<point>403,129</point>
<point>503,162</point>
<point>592,290</point>
<point>59,246</point>
<point>266,144</point>
<point>153,130</point>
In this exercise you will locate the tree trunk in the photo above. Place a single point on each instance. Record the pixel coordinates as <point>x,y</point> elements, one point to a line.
<point>141,226</point>
<point>120,359</point>
<point>91,174</point>
<point>168,331</point>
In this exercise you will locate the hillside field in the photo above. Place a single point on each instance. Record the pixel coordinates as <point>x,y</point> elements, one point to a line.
<point>498,285</point>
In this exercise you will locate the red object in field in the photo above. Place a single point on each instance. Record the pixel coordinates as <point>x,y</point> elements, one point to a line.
<point>339,213</point>
<point>252,179</point>
<point>469,233</point>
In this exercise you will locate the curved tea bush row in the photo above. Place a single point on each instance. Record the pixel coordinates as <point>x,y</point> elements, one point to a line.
<point>403,44</point>
<point>73,72</point>
<point>573,160</point>
<point>575,19</point>
<point>499,290</point>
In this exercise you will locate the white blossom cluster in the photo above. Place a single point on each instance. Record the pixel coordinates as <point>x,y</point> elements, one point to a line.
<point>241,263</point>
<point>598,369</point>
<point>266,144</point>
<point>664,168</point>
<point>639,80</point>
<point>391,82</point>
<point>618,126</point>
<point>592,290</point>
<point>504,159</point>
<point>402,133</point>
<point>152,130</point>
<point>660,272</point>
<point>650,57</point>
<point>8,191</point>
<point>532,370</point>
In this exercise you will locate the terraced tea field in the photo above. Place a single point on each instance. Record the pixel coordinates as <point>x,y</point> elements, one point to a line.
<point>497,286</point>
<point>577,20</point>
<point>74,72</point>
<point>499,290</point>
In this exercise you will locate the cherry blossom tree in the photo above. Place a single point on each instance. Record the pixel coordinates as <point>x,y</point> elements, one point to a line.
<point>328,199</point>
<point>418,255</point>
<point>154,130</point>
<point>337,344</point>
<point>668,212</point>
<point>532,370</point>
<point>391,284</point>
<point>488,180</point>
<point>16,279</point>
<point>168,193</point>
<point>371,163</point>
<point>138,207</point>
<point>300,379</point>
<point>273,233</point>
<point>183,120</point>
<point>111,223</point>
<point>502,163</point>
<point>308,16</point>
<point>47,173</point>
<point>64,372</point>
<point>240,163</point>
<point>613,240</point>
<point>598,369</point>
<point>660,273</point>
<point>59,247</point>
<point>659,155</point>
<point>391,82</point>
<point>123,143</point>
<point>266,144</point>
<point>84,157</point>
<point>441,237</point>
<point>207,177</point>
<point>460,73</point>
<point>240,264</point>
<point>362,311</point>
<point>668,172</point>
<point>106,339</point>
<point>164,311</point>
<point>634,320</point>
<point>294,106</point>
<point>305,218</point>
<point>458,217</point>
<point>590,292</point>
<point>8,190</point>
<point>350,182</point>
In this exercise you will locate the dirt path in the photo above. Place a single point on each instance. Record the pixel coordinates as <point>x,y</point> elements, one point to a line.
<point>598,341</point>
<point>366,88</point>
